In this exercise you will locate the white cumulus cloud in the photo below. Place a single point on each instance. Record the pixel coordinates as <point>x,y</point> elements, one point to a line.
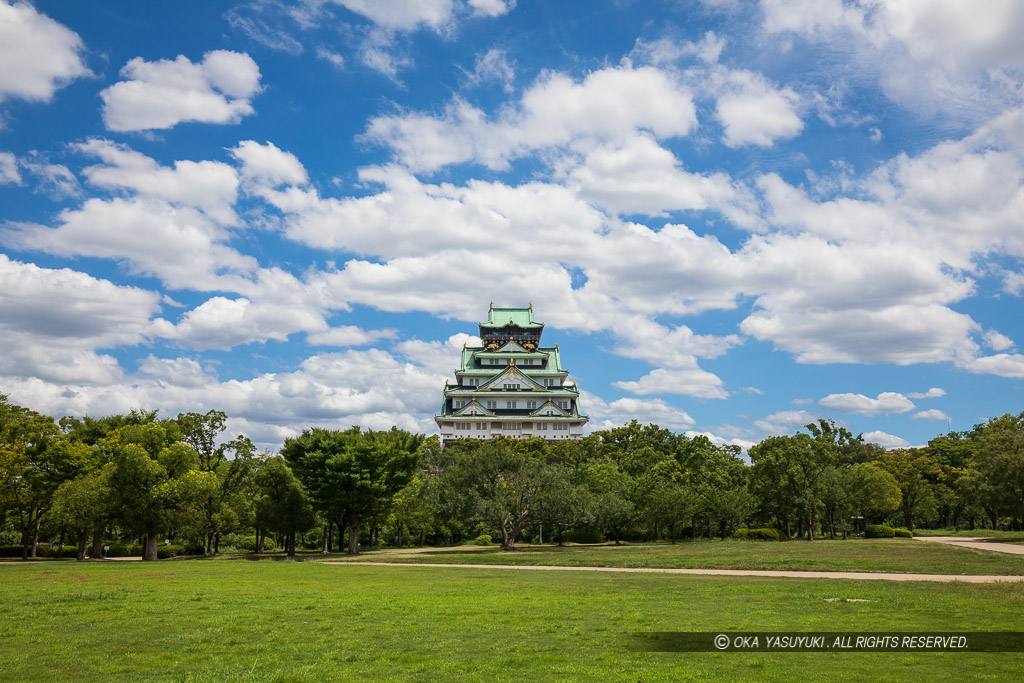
<point>887,402</point>
<point>164,93</point>
<point>37,54</point>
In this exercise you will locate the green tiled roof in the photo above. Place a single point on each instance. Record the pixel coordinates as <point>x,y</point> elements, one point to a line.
<point>519,317</point>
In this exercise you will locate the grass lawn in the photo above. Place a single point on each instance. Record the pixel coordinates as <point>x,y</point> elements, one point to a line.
<point>295,621</point>
<point>857,555</point>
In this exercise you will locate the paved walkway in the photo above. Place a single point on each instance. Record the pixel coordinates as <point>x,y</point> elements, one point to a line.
<point>979,543</point>
<point>864,576</point>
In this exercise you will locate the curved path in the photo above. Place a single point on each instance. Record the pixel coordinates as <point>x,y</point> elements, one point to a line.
<point>975,542</point>
<point>868,576</point>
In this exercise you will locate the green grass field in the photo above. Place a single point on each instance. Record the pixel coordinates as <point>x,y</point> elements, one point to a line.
<point>856,555</point>
<point>295,621</point>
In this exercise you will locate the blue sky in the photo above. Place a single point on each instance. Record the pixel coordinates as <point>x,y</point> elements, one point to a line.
<point>733,217</point>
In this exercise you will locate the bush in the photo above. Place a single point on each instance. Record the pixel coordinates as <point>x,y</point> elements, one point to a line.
<point>581,536</point>
<point>166,551</point>
<point>902,533</point>
<point>46,551</point>
<point>41,551</point>
<point>879,531</point>
<point>483,539</point>
<point>10,538</point>
<point>124,550</point>
<point>758,534</point>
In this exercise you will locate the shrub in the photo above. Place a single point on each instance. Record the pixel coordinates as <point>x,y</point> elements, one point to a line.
<point>124,550</point>
<point>902,533</point>
<point>166,551</point>
<point>758,534</point>
<point>767,535</point>
<point>879,531</point>
<point>41,551</point>
<point>483,539</point>
<point>582,536</point>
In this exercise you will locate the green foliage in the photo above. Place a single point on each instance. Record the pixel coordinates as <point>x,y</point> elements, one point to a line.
<point>879,531</point>
<point>483,539</point>
<point>585,535</point>
<point>900,532</point>
<point>499,482</point>
<point>353,474</point>
<point>165,551</point>
<point>764,534</point>
<point>246,543</point>
<point>123,550</point>
<point>283,505</point>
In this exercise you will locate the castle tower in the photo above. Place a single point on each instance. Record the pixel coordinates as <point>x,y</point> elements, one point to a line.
<point>511,386</point>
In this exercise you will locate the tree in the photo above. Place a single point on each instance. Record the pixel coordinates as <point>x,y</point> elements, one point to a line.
<point>1000,457</point>
<point>352,474</point>
<point>83,504</point>
<point>609,488</point>
<point>34,461</point>
<point>789,472</point>
<point>501,482</point>
<point>863,488</point>
<point>283,505</point>
<point>562,503</point>
<point>910,469</point>
<point>137,477</point>
<point>157,480</point>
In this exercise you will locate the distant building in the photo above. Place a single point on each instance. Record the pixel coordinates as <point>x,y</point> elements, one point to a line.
<point>511,386</point>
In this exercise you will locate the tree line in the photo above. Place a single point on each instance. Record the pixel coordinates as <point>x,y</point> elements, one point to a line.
<point>89,482</point>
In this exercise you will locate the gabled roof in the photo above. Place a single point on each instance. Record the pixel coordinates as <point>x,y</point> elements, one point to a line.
<point>518,317</point>
<point>473,405</point>
<point>550,408</point>
<point>511,347</point>
<point>513,371</point>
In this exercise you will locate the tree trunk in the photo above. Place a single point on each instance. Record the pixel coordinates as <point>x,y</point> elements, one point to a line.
<point>330,537</point>
<point>290,542</point>
<point>789,530</point>
<point>96,551</point>
<point>83,540</point>
<point>216,543</point>
<point>327,542</point>
<point>540,533</point>
<point>209,543</point>
<point>261,540</point>
<point>353,535</point>
<point>149,553</point>
<point>60,545</point>
<point>35,532</point>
